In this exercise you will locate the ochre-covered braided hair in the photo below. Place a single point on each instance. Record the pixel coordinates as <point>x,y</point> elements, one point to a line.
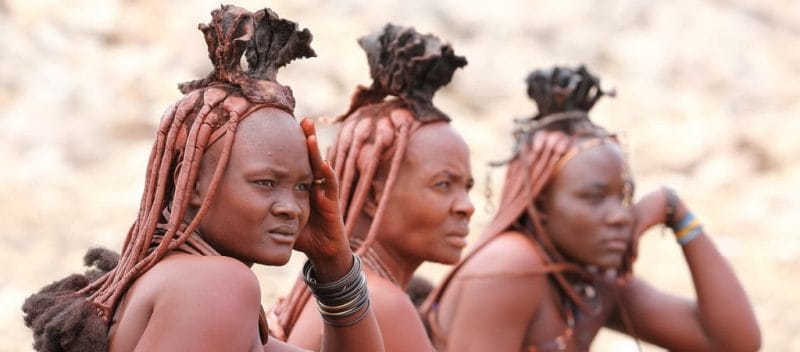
<point>564,97</point>
<point>408,68</point>
<point>74,314</point>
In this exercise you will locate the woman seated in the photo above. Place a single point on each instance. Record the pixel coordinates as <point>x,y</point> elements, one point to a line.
<point>405,177</point>
<point>554,265</point>
<point>232,180</point>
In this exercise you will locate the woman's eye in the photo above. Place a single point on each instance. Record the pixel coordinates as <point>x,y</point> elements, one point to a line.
<point>303,187</point>
<point>594,198</point>
<point>442,185</point>
<point>266,183</point>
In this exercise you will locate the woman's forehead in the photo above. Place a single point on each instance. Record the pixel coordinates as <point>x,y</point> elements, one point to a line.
<point>266,125</point>
<point>603,163</point>
<point>270,138</point>
<point>435,135</point>
<point>438,143</point>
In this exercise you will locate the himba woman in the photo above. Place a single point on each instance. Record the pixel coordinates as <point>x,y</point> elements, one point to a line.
<point>405,176</point>
<point>554,265</point>
<point>232,180</point>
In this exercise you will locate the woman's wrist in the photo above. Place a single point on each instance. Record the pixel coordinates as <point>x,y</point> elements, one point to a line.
<point>341,302</point>
<point>674,209</point>
<point>678,218</point>
<point>329,269</point>
<point>687,228</point>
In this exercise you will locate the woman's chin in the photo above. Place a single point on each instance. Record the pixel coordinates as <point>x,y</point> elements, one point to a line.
<point>603,263</point>
<point>450,257</point>
<point>610,263</point>
<point>276,259</point>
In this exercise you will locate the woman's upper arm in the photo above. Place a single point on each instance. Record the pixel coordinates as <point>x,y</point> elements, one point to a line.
<point>206,305</point>
<point>677,326</point>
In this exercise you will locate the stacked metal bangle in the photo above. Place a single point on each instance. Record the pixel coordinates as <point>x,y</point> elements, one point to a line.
<point>338,301</point>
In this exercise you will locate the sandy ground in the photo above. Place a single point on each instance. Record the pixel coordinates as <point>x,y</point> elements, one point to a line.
<point>707,99</point>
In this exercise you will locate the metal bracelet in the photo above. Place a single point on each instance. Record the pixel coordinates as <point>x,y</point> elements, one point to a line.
<point>341,298</point>
<point>309,275</point>
<point>338,324</point>
<point>347,311</point>
<point>343,303</point>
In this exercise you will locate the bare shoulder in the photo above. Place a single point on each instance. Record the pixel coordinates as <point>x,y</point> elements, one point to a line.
<point>179,274</point>
<point>509,265</point>
<point>510,253</point>
<point>187,292</point>
<point>505,279</point>
<point>189,268</point>
<point>495,296</point>
<point>398,319</point>
<point>389,300</point>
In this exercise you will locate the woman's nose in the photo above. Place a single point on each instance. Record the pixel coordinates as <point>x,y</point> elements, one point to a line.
<point>620,216</point>
<point>286,206</point>
<point>463,206</point>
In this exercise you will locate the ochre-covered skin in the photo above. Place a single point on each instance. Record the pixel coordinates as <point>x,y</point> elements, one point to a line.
<point>229,183</point>
<point>554,265</point>
<point>405,176</point>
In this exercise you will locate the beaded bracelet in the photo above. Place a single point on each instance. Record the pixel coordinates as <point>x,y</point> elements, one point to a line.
<point>692,234</point>
<point>687,229</point>
<point>341,298</point>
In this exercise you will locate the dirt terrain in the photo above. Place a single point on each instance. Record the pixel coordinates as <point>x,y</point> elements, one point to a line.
<point>707,100</point>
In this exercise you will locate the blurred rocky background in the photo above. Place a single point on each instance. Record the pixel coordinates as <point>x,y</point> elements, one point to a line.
<point>707,99</point>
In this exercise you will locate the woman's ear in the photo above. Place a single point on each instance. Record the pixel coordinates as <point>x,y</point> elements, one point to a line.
<point>538,203</point>
<point>195,200</point>
<point>373,197</point>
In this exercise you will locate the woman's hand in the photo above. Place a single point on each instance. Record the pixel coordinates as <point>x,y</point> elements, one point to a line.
<point>323,239</point>
<point>651,210</point>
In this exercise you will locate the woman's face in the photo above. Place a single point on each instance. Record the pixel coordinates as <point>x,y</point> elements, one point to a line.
<point>428,210</point>
<point>585,208</point>
<point>262,200</point>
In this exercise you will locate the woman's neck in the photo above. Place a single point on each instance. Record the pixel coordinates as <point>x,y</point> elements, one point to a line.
<point>383,259</point>
<point>398,268</point>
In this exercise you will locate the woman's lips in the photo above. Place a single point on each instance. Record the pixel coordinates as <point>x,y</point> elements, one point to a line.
<point>281,238</point>
<point>618,245</point>
<point>283,235</point>
<point>456,241</point>
<point>458,238</point>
